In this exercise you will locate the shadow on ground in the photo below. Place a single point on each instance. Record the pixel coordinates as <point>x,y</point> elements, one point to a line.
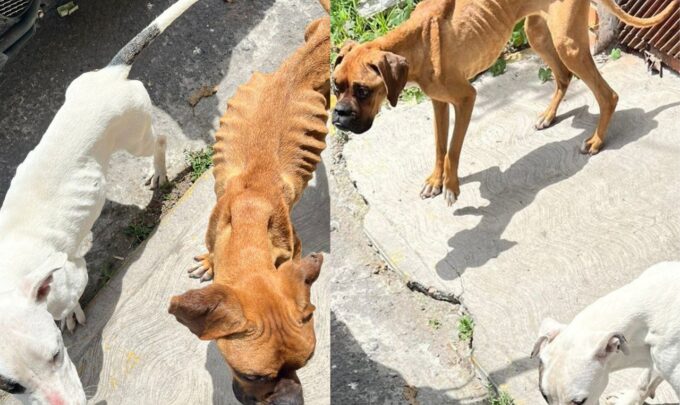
<point>512,190</point>
<point>374,383</point>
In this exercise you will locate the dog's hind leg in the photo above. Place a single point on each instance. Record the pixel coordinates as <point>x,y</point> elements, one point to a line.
<point>541,41</point>
<point>571,41</point>
<point>463,103</point>
<point>160,175</point>
<point>433,184</point>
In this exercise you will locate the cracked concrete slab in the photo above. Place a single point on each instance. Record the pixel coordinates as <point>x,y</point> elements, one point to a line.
<point>390,345</point>
<point>539,229</point>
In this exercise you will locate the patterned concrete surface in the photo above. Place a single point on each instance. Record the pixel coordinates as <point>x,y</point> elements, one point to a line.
<point>539,229</point>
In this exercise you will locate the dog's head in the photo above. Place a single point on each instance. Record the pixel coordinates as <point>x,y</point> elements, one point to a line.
<point>34,364</point>
<point>362,78</point>
<point>263,327</point>
<point>574,364</point>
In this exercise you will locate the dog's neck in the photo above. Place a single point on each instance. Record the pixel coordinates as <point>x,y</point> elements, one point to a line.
<point>401,41</point>
<point>256,233</point>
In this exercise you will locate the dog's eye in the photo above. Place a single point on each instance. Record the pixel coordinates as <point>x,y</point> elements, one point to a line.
<point>57,356</point>
<point>361,92</point>
<point>255,378</point>
<point>579,401</point>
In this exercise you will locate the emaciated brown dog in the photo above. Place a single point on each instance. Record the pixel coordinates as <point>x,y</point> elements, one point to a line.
<point>445,43</point>
<point>258,308</point>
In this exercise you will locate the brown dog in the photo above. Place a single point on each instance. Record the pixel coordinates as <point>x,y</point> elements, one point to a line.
<point>445,43</point>
<point>258,309</point>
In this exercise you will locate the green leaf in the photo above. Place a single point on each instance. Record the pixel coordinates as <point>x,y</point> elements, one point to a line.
<point>544,74</point>
<point>498,68</point>
<point>615,54</point>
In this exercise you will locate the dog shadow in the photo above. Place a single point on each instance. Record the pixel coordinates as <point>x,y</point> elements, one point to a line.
<point>471,248</point>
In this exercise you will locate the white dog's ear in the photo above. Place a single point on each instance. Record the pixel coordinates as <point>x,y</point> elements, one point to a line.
<point>36,285</point>
<point>549,330</point>
<point>611,343</point>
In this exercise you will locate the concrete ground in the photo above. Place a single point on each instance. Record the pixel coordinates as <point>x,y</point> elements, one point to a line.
<point>389,345</point>
<point>214,43</point>
<point>539,229</point>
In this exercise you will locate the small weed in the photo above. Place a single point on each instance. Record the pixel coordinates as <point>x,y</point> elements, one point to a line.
<point>412,95</point>
<point>519,39</point>
<point>199,161</point>
<point>615,54</point>
<point>139,232</point>
<point>499,397</point>
<point>466,328</point>
<point>434,323</point>
<point>107,273</point>
<point>544,74</point>
<point>498,68</point>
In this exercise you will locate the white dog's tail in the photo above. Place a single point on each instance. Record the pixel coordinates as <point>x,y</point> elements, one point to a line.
<point>127,55</point>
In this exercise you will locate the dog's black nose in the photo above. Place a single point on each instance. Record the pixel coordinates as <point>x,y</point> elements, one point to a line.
<point>343,110</point>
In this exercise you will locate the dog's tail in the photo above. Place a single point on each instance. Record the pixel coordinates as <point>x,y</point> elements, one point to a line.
<point>326,4</point>
<point>126,56</point>
<point>636,21</point>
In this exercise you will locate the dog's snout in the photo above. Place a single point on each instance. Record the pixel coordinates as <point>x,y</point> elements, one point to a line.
<point>344,110</point>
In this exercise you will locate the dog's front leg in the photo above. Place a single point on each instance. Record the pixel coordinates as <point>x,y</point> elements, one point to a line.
<point>433,184</point>
<point>646,388</point>
<point>463,104</point>
<point>160,175</point>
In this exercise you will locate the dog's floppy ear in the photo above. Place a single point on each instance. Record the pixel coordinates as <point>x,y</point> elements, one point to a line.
<point>343,51</point>
<point>210,313</point>
<point>549,330</point>
<point>393,69</point>
<point>36,285</point>
<point>611,343</point>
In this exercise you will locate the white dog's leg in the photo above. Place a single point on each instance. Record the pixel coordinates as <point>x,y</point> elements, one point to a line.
<point>646,388</point>
<point>67,287</point>
<point>159,176</point>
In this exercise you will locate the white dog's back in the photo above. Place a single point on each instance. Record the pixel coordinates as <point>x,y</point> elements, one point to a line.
<point>59,189</point>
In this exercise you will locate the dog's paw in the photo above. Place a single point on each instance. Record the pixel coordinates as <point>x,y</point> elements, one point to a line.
<point>591,146</point>
<point>156,180</point>
<point>629,397</point>
<point>451,191</point>
<point>74,318</point>
<point>430,190</point>
<point>203,269</point>
<point>544,121</point>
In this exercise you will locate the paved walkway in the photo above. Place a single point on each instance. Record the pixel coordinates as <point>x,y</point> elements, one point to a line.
<point>539,229</point>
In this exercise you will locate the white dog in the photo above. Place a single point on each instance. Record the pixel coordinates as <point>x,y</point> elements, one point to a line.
<point>45,221</point>
<point>637,325</point>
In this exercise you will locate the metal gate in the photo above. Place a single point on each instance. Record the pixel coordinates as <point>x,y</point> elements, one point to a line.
<point>661,41</point>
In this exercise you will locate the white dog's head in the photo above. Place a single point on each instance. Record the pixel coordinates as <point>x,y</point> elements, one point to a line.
<point>34,364</point>
<point>574,364</point>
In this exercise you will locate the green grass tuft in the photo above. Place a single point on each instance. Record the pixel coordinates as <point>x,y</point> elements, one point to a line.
<point>499,397</point>
<point>199,161</point>
<point>466,328</point>
<point>139,232</point>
